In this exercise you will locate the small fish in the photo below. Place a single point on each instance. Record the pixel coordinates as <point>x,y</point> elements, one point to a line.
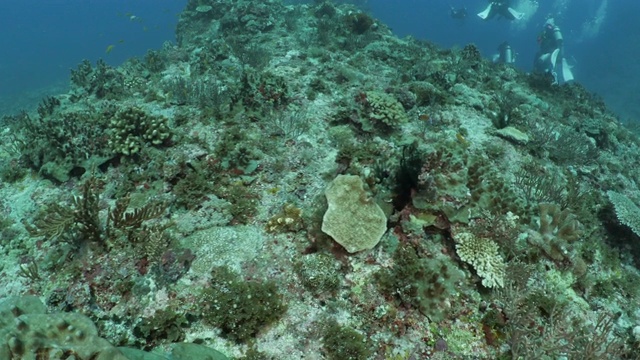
<point>462,140</point>
<point>424,117</point>
<point>109,49</point>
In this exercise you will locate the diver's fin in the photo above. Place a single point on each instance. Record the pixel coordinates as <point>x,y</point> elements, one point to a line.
<point>567,74</point>
<point>516,14</point>
<point>554,58</point>
<point>485,14</point>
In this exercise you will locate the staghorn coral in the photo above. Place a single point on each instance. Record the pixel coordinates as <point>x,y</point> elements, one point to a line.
<point>103,81</point>
<point>60,144</point>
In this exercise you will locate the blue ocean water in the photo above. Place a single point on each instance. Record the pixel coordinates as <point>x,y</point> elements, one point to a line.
<point>41,41</point>
<point>600,37</point>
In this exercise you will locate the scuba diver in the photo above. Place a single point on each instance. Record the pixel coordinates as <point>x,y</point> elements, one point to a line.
<point>502,8</point>
<point>505,54</point>
<point>459,14</point>
<point>550,57</point>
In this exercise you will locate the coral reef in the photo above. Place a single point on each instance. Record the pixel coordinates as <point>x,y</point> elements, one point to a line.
<point>293,181</point>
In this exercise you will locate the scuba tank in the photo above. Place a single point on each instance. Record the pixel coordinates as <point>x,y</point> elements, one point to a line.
<point>557,35</point>
<point>506,53</point>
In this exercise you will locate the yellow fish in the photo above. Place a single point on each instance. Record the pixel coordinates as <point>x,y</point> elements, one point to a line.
<point>109,48</point>
<point>462,140</point>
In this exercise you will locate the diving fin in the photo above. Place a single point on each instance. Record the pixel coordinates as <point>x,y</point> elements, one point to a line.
<point>516,14</point>
<point>567,74</point>
<point>554,58</point>
<point>485,14</point>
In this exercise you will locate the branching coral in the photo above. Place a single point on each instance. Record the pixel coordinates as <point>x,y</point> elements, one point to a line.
<point>80,220</point>
<point>627,211</point>
<point>557,230</point>
<point>385,109</point>
<point>132,129</point>
<point>483,254</point>
<point>58,221</point>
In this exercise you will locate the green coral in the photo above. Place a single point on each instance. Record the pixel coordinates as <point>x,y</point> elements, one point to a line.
<point>241,308</point>
<point>558,229</point>
<point>384,108</point>
<point>424,282</point>
<point>132,129</point>
<point>344,343</point>
<point>164,325</point>
<point>318,272</point>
